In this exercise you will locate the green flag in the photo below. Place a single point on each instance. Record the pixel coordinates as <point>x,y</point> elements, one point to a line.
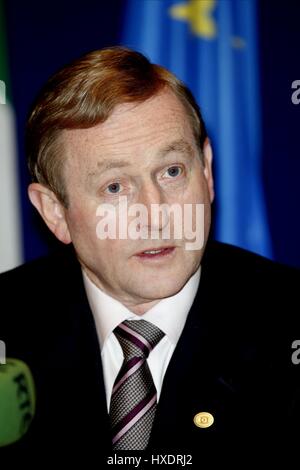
<point>10,239</point>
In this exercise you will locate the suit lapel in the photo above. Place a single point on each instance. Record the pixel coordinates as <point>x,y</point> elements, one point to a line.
<point>196,379</point>
<point>71,393</point>
<point>90,381</point>
<point>178,400</point>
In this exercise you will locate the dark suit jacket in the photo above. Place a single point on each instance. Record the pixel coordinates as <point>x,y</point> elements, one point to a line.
<point>233,360</point>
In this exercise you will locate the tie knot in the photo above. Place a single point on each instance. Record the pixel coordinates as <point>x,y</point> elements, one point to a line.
<point>137,337</point>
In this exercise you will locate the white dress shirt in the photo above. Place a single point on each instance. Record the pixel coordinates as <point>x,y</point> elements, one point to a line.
<point>168,314</point>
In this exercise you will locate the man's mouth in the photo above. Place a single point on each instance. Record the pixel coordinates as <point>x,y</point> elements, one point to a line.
<point>156,252</point>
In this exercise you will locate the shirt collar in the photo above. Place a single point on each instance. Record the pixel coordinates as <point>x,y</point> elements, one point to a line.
<point>168,314</point>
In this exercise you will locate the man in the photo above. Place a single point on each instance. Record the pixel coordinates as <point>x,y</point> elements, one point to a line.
<point>215,372</point>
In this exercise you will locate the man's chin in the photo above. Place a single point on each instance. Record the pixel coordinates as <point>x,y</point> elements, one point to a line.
<point>161,290</point>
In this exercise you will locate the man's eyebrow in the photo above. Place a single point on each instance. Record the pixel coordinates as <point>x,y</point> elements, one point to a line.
<point>106,165</point>
<point>180,145</point>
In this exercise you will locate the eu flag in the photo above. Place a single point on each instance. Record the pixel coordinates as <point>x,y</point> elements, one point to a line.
<point>213,47</point>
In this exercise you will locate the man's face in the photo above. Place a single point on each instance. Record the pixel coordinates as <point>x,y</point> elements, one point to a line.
<point>147,154</point>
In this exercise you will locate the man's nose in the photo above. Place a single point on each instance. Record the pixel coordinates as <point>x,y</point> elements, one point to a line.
<point>156,210</point>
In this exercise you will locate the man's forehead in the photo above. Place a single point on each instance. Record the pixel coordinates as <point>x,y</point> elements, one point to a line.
<point>120,142</point>
<point>160,106</point>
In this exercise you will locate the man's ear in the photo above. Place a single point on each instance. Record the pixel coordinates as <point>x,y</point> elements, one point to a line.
<point>51,210</point>
<point>208,157</point>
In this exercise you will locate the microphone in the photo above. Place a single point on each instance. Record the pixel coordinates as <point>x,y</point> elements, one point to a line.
<point>17,400</point>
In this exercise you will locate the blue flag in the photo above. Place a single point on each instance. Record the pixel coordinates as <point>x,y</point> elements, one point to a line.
<point>212,46</point>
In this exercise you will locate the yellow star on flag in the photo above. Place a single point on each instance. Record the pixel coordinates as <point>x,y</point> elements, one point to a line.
<point>199,14</point>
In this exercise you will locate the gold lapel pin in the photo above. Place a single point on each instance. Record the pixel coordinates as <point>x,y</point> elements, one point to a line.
<point>203,419</point>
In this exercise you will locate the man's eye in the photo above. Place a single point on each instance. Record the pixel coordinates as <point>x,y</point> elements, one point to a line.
<point>173,171</point>
<point>113,188</point>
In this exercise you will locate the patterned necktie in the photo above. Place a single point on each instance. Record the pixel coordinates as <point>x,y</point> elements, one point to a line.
<point>133,400</point>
